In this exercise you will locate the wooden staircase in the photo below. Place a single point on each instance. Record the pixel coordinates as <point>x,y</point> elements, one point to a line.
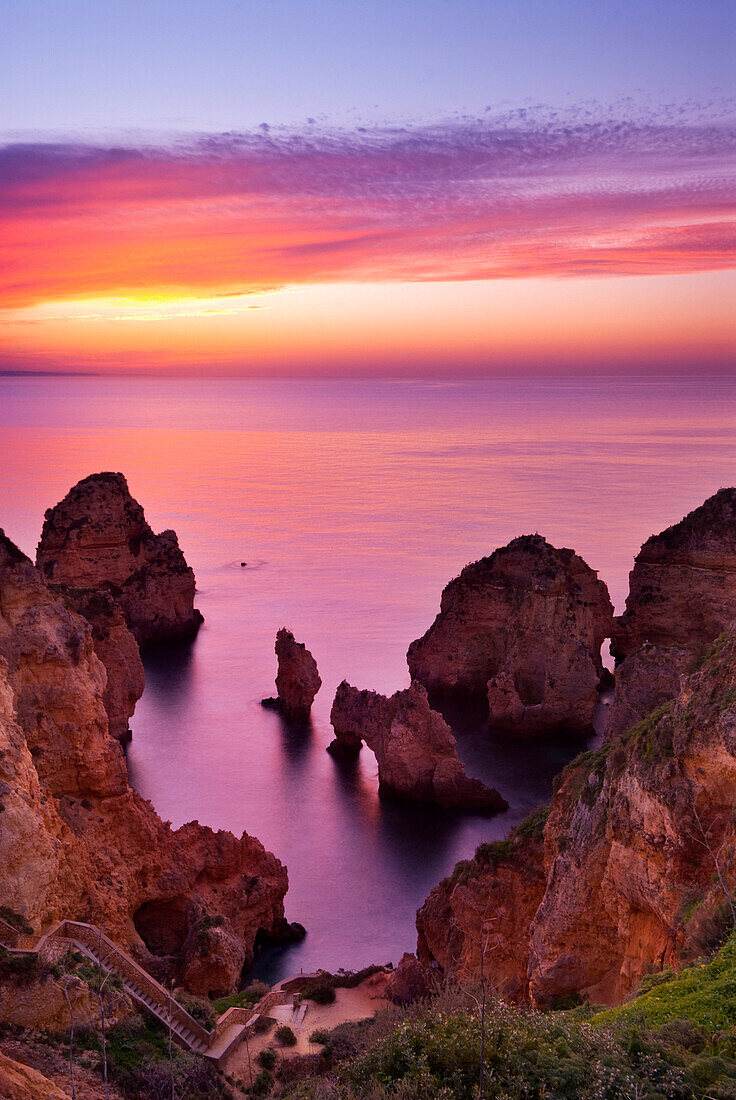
<point>96,946</point>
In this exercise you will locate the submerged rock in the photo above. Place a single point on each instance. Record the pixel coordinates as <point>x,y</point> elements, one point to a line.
<point>76,841</point>
<point>97,538</point>
<point>414,747</point>
<point>524,628</point>
<point>297,680</point>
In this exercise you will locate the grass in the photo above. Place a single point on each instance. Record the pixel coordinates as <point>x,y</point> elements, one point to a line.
<point>247,998</point>
<point>704,995</point>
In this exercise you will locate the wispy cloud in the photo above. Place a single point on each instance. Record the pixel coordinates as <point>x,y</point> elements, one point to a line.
<point>530,193</point>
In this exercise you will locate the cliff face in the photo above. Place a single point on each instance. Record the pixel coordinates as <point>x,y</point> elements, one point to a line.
<point>297,680</point>
<point>77,842</point>
<point>97,538</point>
<point>118,651</point>
<point>523,627</point>
<point>415,749</point>
<point>682,594</point>
<point>629,880</point>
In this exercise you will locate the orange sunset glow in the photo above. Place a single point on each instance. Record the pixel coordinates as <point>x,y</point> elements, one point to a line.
<point>491,244</point>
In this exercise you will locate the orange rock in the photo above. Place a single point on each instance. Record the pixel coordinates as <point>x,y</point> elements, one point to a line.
<point>19,1082</point>
<point>682,594</point>
<point>97,537</point>
<point>523,628</point>
<point>624,882</point>
<point>298,680</point>
<point>76,841</point>
<point>415,749</point>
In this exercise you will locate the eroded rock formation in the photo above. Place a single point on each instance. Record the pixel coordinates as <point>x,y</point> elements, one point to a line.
<point>524,628</point>
<point>415,749</point>
<point>622,880</point>
<point>408,982</point>
<point>76,842</point>
<point>118,650</point>
<point>682,594</point>
<point>97,538</point>
<point>297,679</point>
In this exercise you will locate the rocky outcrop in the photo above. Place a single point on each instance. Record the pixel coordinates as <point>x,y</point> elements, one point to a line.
<point>297,679</point>
<point>524,628</point>
<point>21,1082</point>
<point>414,747</point>
<point>624,877</point>
<point>682,589</point>
<point>682,594</point>
<point>645,680</point>
<point>408,982</point>
<point>97,538</point>
<point>76,842</point>
<point>118,650</point>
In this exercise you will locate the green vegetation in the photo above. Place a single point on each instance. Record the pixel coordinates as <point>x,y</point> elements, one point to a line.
<point>267,1058</point>
<point>704,995</point>
<point>138,1063</point>
<point>285,1036</point>
<point>197,1007</point>
<point>247,998</point>
<point>20,967</point>
<point>321,989</point>
<point>15,920</point>
<point>320,1036</point>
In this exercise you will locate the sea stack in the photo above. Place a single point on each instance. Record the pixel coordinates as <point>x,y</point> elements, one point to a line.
<point>414,747</point>
<point>297,679</point>
<point>97,538</point>
<point>682,595</point>
<point>522,628</point>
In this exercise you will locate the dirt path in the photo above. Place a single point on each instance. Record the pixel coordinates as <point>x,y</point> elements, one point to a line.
<point>350,1004</point>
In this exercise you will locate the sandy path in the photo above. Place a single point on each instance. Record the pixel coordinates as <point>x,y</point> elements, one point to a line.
<point>350,1004</point>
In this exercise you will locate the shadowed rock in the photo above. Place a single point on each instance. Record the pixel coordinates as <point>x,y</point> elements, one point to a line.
<point>77,842</point>
<point>618,879</point>
<point>297,680</point>
<point>97,538</point>
<point>523,627</point>
<point>414,746</point>
<point>682,594</point>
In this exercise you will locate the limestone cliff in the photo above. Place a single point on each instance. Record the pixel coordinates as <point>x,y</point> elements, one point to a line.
<point>637,849</point>
<point>77,842</point>
<point>97,538</point>
<point>524,628</point>
<point>414,747</point>
<point>682,594</point>
<point>118,650</point>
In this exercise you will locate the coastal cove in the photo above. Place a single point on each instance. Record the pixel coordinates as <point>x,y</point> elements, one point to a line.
<point>352,505</point>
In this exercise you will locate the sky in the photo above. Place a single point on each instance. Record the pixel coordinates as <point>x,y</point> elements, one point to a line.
<point>339,187</point>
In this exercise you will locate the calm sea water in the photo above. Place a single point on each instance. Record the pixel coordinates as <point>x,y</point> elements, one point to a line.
<point>353,503</point>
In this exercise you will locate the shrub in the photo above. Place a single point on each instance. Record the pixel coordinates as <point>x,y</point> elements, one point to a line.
<point>246,998</point>
<point>15,920</point>
<point>322,993</point>
<point>262,1084</point>
<point>285,1036</point>
<point>197,1007</point>
<point>320,1036</point>
<point>267,1058</point>
<point>21,967</point>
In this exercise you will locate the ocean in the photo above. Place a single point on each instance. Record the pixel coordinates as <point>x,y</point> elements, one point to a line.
<point>352,504</point>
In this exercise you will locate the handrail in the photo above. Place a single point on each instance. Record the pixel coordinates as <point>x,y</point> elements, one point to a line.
<point>168,1005</point>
